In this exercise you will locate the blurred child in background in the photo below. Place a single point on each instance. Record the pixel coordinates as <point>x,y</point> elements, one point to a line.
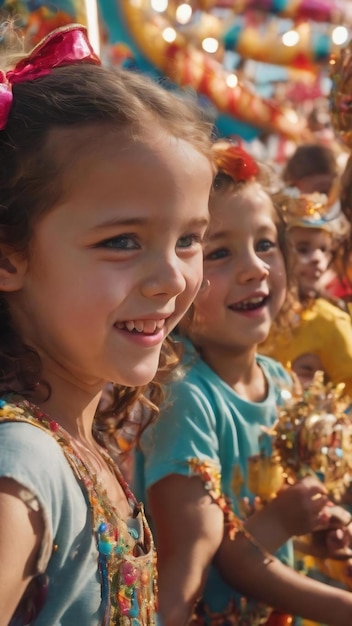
<point>321,337</point>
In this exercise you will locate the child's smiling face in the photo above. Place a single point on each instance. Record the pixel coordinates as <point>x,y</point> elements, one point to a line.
<point>245,267</point>
<point>117,262</point>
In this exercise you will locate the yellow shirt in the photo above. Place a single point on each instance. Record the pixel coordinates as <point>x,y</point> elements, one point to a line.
<point>324,330</point>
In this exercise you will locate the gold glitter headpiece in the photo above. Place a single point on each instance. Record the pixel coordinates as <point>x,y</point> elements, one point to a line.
<point>314,210</point>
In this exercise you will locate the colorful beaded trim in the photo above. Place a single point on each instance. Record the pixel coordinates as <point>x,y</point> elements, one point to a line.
<point>126,560</point>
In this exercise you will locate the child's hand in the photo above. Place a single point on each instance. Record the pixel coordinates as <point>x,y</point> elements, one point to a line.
<point>334,541</point>
<point>303,506</point>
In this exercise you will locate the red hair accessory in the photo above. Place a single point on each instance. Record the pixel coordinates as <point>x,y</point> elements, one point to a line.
<point>63,46</point>
<point>234,161</point>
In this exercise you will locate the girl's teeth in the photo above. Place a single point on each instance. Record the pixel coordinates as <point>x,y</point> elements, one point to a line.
<point>149,326</point>
<point>141,326</point>
<point>250,303</point>
<point>254,300</point>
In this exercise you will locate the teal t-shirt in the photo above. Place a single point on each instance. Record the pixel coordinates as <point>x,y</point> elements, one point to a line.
<point>205,419</point>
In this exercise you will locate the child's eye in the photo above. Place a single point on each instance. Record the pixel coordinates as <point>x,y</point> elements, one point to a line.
<point>188,241</point>
<point>120,242</point>
<point>221,253</point>
<point>265,245</point>
<point>325,250</point>
<point>302,249</point>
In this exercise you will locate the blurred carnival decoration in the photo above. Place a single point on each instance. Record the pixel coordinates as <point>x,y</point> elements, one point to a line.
<point>313,436</point>
<point>341,94</point>
<point>261,62</point>
<point>257,67</point>
<point>32,20</point>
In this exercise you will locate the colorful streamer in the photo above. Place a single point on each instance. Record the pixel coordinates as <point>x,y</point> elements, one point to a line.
<point>33,20</point>
<point>329,11</point>
<point>187,66</point>
<point>266,45</point>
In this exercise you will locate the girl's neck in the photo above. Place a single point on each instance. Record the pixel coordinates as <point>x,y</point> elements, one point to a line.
<point>73,411</point>
<point>69,402</point>
<point>239,370</point>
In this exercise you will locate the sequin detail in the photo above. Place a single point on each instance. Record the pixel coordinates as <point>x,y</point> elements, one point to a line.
<point>247,613</point>
<point>126,557</point>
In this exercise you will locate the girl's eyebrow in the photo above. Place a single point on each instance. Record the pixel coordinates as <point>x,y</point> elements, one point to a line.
<point>140,221</point>
<point>218,235</point>
<point>305,241</point>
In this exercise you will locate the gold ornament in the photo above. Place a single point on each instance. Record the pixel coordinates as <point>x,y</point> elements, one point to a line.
<point>313,435</point>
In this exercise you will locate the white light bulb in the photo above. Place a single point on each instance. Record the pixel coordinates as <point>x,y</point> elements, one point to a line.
<point>169,34</point>
<point>291,38</point>
<point>210,44</point>
<point>159,5</point>
<point>183,13</point>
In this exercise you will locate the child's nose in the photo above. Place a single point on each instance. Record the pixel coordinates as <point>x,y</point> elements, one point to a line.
<point>165,277</point>
<point>319,257</point>
<point>251,268</point>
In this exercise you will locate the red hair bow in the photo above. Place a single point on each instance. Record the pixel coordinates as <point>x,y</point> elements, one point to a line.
<point>63,46</point>
<point>234,161</point>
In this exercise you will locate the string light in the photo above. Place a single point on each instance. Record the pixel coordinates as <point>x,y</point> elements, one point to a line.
<point>290,38</point>
<point>232,80</point>
<point>210,44</point>
<point>183,13</point>
<point>169,34</point>
<point>339,35</point>
<point>159,5</point>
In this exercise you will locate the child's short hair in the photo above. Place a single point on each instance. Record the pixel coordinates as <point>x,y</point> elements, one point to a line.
<point>310,159</point>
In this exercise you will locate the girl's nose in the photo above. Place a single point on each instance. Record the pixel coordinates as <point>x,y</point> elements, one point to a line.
<point>319,257</point>
<point>251,267</point>
<point>164,278</point>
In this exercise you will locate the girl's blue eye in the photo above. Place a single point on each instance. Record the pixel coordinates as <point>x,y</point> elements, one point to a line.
<point>188,241</point>
<point>265,245</point>
<point>221,253</point>
<point>121,242</point>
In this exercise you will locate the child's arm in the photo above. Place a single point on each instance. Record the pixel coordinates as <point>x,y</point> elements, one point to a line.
<point>190,528</point>
<point>269,581</point>
<point>21,532</point>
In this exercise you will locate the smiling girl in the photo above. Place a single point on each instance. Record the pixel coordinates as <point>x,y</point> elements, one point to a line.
<point>104,186</point>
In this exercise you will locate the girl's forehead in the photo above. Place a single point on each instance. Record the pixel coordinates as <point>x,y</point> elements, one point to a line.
<point>249,198</point>
<point>309,234</point>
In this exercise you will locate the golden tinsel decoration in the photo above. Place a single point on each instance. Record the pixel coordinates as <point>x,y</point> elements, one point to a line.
<point>341,94</point>
<point>313,435</point>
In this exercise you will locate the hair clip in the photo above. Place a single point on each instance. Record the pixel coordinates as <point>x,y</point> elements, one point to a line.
<point>234,161</point>
<point>63,46</point>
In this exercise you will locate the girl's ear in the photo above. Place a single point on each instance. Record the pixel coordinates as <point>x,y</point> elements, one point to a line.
<point>13,267</point>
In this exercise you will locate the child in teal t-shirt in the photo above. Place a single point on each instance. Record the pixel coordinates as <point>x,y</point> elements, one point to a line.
<point>202,458</point>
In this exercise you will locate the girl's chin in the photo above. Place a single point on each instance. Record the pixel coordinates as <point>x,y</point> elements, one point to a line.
<point>139,377</point>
